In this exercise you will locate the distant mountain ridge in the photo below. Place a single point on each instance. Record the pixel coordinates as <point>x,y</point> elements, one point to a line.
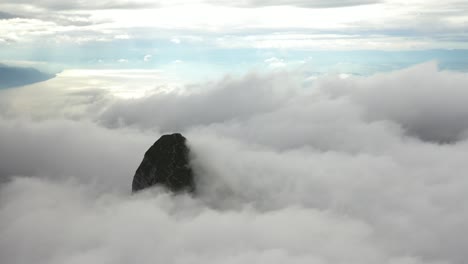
<point>19,76</point>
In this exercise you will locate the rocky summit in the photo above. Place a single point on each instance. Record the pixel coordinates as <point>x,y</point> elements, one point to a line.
<point>166,164</point>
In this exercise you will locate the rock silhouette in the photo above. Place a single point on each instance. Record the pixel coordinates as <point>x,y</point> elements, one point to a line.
<point>166,164</point>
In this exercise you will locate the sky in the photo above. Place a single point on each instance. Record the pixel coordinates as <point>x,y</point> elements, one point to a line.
<point>320,132</point>
<point>221,37</point>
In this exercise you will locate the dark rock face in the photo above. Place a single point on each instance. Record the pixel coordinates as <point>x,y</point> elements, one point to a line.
<point>166,163</point>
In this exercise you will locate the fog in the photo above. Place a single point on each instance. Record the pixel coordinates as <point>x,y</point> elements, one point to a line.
<point>357,170</point>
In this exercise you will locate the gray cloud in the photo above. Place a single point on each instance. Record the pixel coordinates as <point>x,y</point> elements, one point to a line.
<point>125,4</point>
<point>70,152</point>
<point>328,173</point>
<point>60,13</point>
<point>218,102</point>
<point>299,3</point>
<point>4,15</point>
<point>430,108</point>
<point>83,4</point>
<point>155,229</point>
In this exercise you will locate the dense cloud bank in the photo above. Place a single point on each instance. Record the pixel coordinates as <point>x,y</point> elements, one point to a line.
<point>358,170</point>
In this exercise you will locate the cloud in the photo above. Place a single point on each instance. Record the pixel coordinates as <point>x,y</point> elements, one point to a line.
<point>289,172</point>
<point>122,36</point>
<point>355,25</point>
<point>137,4</point>
<point>85,4</point>
<point>430,108</point>
<point>148,229</point>
<point>274,62</point>
<point>71,152</point>
<point>421,101</point>
<point>299,3</point>
<point>80,94</point>
<point>228,99</point>
<point>4,15</point>
<point>147,57</point>
<point>175,40</point>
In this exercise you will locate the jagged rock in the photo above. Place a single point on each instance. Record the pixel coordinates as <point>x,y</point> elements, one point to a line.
<point>166,163</point>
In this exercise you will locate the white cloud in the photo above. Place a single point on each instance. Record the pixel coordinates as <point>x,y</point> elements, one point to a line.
<point>331,42</point>
<point>147,57</point>
<point>175,40</point>
<point>274,62</point>
<point>387,25</point>
<point>336,172</point>
<point>300,3</point>
<point>122,36</point>
<point>77,93</point>
<point>82,4</point>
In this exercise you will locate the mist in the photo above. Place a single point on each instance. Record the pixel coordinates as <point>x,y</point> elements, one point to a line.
<point>356,170</point>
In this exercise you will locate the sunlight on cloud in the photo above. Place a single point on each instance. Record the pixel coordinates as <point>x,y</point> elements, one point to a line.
<point>73,92</point>
<point>120,83</point>
<point>220,18</point>
<point>386,25</point>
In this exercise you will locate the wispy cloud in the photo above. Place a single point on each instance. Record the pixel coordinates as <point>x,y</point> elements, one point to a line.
<point>299,3</point>
<point>259,24</point>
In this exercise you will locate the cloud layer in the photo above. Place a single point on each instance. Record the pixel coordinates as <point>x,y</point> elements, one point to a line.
<point>299,3</point>
<point>356,170</point>
<point>249,24</point>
